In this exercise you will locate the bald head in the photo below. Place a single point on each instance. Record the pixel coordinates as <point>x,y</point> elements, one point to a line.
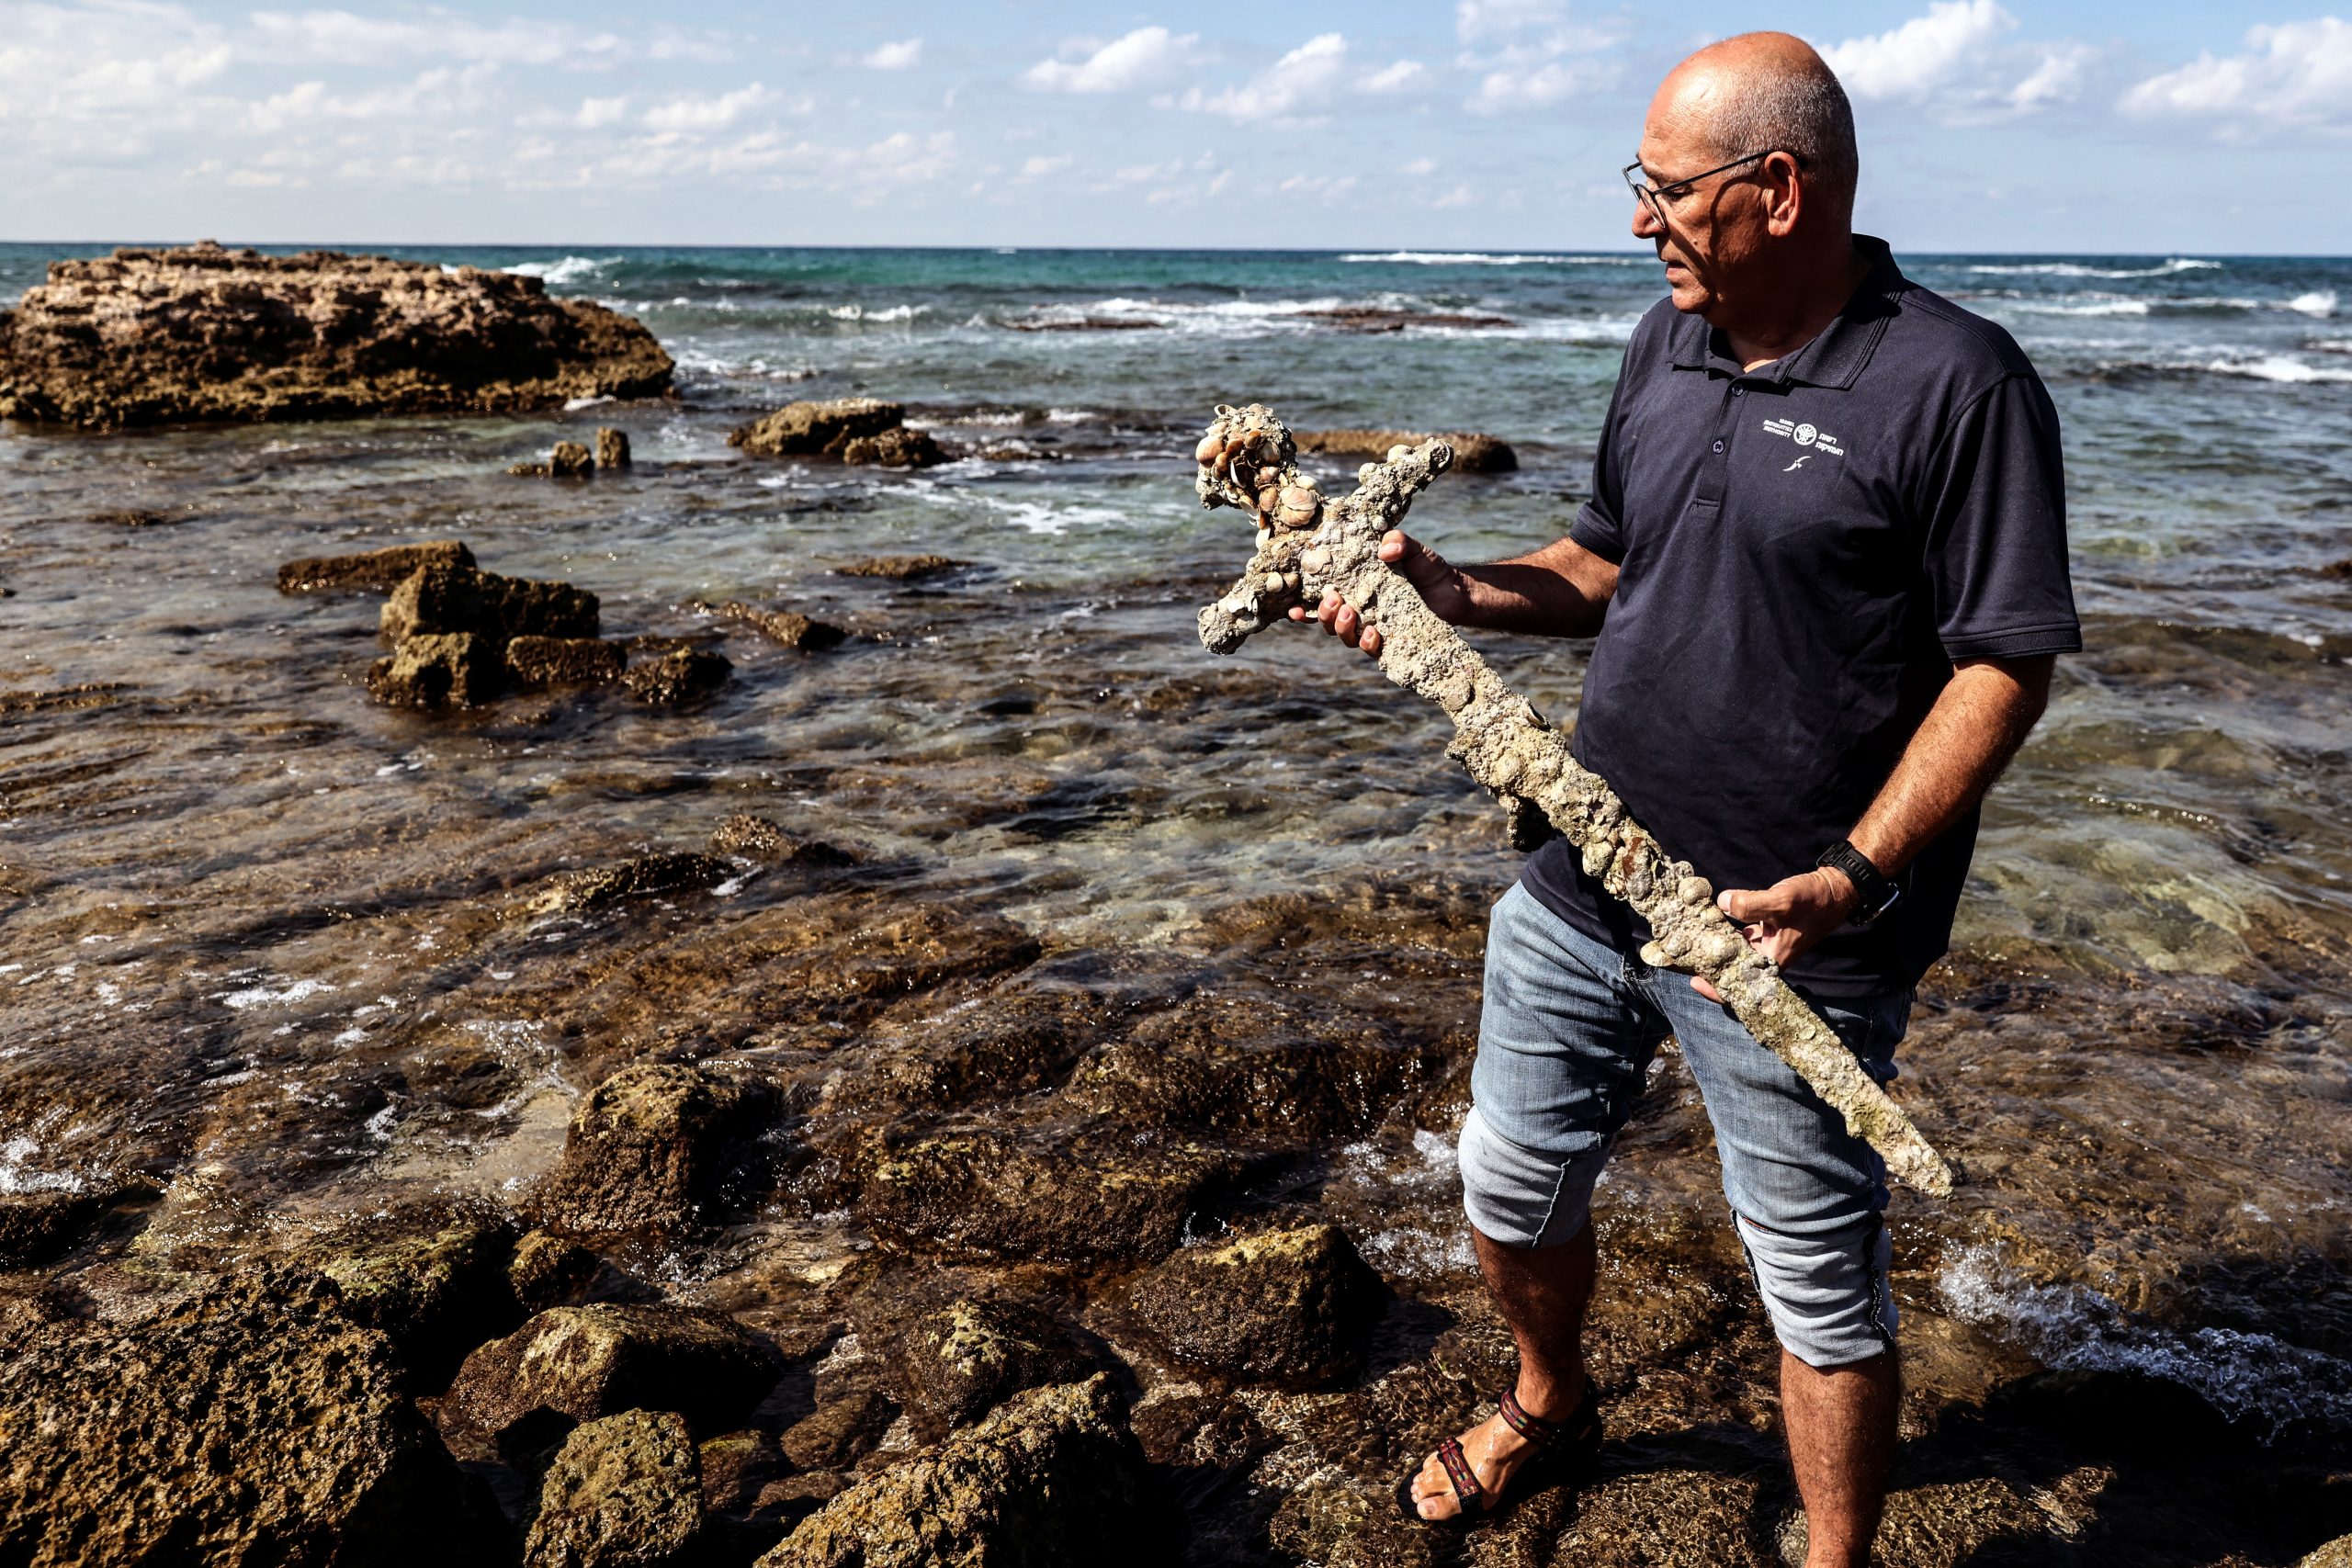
<point>1762,91</point>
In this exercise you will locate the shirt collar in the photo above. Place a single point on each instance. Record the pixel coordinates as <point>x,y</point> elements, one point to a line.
<point>1834,357</point>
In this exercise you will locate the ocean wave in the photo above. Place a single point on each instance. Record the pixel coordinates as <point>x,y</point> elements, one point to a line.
<point>703,362</point>
<point>2079,269</point>
<point>14,1178</point>
<point>563,270</point>
<point>2318,302</point>
<point>854,312</point>
<point>1488,258</point>
<point>2248,1376</point>
<point>2280,367</point>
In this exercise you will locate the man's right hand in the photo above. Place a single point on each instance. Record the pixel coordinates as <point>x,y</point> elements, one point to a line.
<point>1439,582</point>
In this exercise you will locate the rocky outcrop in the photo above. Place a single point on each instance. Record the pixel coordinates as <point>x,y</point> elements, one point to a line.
<point>612,449</point>
<point>854,430</point>
<point>376,571</point>
<point>899,568</point>
<point>956,1365</point>
<point>434,670</point>
<point>677,677</point>
<point>1289,1306</point>
<point>1386,319</point>
<point>649,1149</point>
<point>573,1364</point>
<point>568,892</point>
<point>203,333</point>
<point>39,1225</point>
<point>625,1492</point>
<point>1053,1480</point>
<point>735,1465</point>
<point>789,628</point>
<point>436,1284</point>
<point>1472,452</point>
<point>564,661</point>
<point>840,1432</point>
<point>444,597</point>
<point>251,1425</point>
<point>547,1270</point>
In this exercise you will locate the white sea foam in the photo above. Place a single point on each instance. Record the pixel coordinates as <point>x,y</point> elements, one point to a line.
<point>2076,270</point>
<point>565,269</point>
<point>14,1178</point>
<point>2252,1377</point>
<point>2318,302</point>
<point>856,313</point>
<point>262,996</point>
<point>2280,367</point>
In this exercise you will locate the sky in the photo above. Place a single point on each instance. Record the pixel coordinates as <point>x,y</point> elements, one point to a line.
<point>1986,125</point>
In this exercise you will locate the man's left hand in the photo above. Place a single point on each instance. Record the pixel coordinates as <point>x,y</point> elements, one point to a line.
<point>1788,916</point>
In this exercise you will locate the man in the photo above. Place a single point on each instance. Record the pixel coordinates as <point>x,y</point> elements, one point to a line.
<point>1825,562</point>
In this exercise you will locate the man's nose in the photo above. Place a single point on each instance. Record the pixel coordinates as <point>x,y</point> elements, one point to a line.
<point>1647,223</point>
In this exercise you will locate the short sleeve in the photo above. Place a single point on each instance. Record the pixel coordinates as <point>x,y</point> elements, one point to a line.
<point>1996,512</point>
<point>1600,526</point>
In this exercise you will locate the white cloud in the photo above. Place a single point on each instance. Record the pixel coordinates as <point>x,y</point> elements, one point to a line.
<point>1922,53</point>
<point>1476,21</point>
<point>902,56</point>
<point>1139,58</point>
<point>702,111</point>
<point>2293,74</point>
<point>1397,78</point>
<point>1522,81</point>
<point>1042,166</point>
<point>345,37</point>
<point>2057,80</point>
<point>1302,84</point>
<point>596,113</point>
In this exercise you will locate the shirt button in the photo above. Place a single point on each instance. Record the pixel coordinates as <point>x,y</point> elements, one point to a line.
<point>1740,391</point>
<point>1719,446</point>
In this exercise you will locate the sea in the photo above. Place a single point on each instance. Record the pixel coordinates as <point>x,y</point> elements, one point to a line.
<point>229,870</point>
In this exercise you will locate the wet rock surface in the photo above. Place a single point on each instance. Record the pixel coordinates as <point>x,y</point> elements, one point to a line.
<point>564,661</point>
<point>676,677</point>
<point>869,431</point>
<point>1474,452</point>
<point>570,1365</point>
<point>436,1284</point>
<point>448,598</point>
<point>954,1366</point>
<point>789,629</point>
<point>201,333</point>
<point>651,1151</point>
<point>903,569</point>
<point>378,572</point>
<point>437,670</point>
<point>1283,1306</point>
<point>594,888</point>
<point>252,1423</point>
<point>623,1492</point>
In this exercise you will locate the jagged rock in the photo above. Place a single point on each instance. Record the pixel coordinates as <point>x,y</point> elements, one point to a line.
<point>199,333</point>
<point>1052,1480</point>
<point>446,597</point>
<point>435,670</point>
<point>1093,1197</point>
<point>2337,1554</point>
<point>546,1270</point>
<point>573,891</point>
<point>1289,1306</point>
<point>564,661</point>
<point>378,572</point>
<point>900,569</point>
<point>896,449</point>
<point>795,1497</point>
<point>624,1492</point>
<point>250,1424</point>
<point>788,627</point>
<point>570,460</point>
<point>956,1365</point>
<point>755,838</point>
<point>1386,319</point>
<point>817,427</point>
<point>840,1432</point>
<point>612,449</point>
<point>1474,452</point>
<point>37,1227</point>
<point>735,1465</point>
<point>677,677</point>
<point>436,1285</point>
<point>573,1364</point>
<point>649,1149</point>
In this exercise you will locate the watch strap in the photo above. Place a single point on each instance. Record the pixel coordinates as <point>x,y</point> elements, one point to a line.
<point>1878,893</point>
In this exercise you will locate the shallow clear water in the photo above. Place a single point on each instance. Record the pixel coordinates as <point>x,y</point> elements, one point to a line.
<point>232,888</point>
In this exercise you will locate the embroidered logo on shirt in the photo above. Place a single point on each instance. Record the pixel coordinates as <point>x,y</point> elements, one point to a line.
<point>1805,435</point>
<point>1798,463</point>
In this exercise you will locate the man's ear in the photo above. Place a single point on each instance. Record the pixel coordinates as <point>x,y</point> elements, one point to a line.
<point>1784,194</point>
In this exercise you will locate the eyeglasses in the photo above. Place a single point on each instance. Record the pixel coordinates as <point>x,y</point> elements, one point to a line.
<point>1658,195</point>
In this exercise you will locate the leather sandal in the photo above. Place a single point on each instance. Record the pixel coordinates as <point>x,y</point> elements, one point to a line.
<point>1575,1437</point>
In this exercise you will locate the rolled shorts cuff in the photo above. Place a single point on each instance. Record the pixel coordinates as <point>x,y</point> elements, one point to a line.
<point>1828,1295</point>
<point>1519,1197</point>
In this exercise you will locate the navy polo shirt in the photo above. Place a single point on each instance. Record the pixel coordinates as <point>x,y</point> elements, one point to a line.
<point>1803,551</point>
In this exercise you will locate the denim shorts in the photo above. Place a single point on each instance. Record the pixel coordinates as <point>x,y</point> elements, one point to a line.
<point>1565,1043</point>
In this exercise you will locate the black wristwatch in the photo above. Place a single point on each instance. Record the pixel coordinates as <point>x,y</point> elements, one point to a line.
<point>1879,894</point>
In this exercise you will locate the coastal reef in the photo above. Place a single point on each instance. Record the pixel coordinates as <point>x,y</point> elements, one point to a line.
<point>201,333</point>
<point>866,431</point>
<point>1474,452</point>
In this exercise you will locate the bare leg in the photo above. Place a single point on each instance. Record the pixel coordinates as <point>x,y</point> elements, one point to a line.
<point>1541,1292</point>
<point>1841,1440</point>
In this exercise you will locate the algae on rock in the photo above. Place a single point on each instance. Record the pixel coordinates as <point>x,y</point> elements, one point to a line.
<point>1307,543</point>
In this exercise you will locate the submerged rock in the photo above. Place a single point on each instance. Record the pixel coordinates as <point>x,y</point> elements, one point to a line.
<point>1474,452</point>
<point>810,427</point>
<point>787,627</point>
<point>572,891</point>
<point>145,336</point>
<point>956,1365</point>
<point>565,662</point>
<point>1384,319</point>
<point>37,1227</point>
<point>612,449</point>
<point>649,1150</point>
<point>624,1492</point>
<point>445,597</point>
<point>899,448</point>
<point>677,677</point>
<point>1053,1480</point>
<point>748,837</point>
<point>435,669</point>
<point>900,569</point>
<point>1289,1306</point>
<point>250,1424</point>
<point>573,1364</point>
<point>378,572</point>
